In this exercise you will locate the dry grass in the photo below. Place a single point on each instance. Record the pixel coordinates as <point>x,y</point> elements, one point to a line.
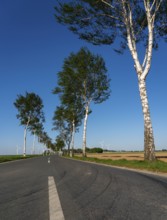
<point>125,155</point>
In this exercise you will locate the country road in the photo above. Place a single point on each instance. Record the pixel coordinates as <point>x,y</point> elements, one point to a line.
<point>86,191</point>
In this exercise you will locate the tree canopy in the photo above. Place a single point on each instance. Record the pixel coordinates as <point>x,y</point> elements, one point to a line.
<point>83,80</point>
<point>30,114</point>
<point>59,143</point>
<point>30,109</point>
<point>102,21</point>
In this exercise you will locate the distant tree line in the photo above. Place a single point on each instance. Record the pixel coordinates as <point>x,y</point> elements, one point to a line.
<point>82,81</point>
<point>88,150</point>
<point>94,150</point>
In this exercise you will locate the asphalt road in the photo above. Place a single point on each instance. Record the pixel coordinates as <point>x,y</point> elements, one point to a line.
<point>24,189</point>
<point>86,191</point>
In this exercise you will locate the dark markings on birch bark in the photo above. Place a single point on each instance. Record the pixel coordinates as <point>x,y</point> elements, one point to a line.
<point>149,147</point>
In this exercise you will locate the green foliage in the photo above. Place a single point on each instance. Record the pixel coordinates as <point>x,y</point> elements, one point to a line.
<point>59,145</point>
<point>71,110</point>
<point>90,73</point>
<point>45,139</point>
<point>83,80</point>
<point>63,122</point>
<point>103,22</point>
<point>30,110</point>
<point>78,151</point>
<point>94,150</point>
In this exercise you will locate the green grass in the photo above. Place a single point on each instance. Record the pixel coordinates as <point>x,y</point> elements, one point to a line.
<point>7,158</point>
<point>156,166</point>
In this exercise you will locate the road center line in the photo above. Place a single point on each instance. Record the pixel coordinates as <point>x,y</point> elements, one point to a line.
<point>55,209</point>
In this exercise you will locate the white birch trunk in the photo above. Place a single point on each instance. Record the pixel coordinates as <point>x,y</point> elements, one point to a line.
<point>33,146</point>
<point>72,140</point>
<point>149,147</point>
<point>84,131</point>
<point>142,72</point>
<point>25,137</point>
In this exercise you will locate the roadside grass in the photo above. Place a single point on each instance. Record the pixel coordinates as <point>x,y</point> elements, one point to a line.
<point>156,166</point>
<point>7,158</point>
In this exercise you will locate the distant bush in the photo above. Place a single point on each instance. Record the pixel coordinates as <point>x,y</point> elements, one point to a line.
<point>88,150</point>
<point>78,151</point>
<point>94,150</point>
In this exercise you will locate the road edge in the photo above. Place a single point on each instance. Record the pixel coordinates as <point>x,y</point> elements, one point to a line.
<point>122,168</point>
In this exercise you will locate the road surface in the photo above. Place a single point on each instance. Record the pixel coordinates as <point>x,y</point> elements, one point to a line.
<point>86,191</point>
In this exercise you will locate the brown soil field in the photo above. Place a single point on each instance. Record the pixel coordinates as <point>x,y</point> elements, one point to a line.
<point>125,155</point>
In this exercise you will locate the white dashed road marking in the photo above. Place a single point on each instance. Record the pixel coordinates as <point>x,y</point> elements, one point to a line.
<point>55,209</point>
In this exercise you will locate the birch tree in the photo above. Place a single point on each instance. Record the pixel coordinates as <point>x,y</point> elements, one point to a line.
<point>84,81</point>
<point>67,120</point>
<point>59,143</point>
<point>62,125</point>
<point>68,116</point>
<point>36,130</point>
<point>94,84</point>
<point>45,139</point>
<point>129,21</point>
<point>30,112</point>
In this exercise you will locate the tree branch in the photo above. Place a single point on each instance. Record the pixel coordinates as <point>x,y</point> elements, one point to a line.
<point>108,4</point>
<point>145,59</point>
<point>156,9</point>
<point>150,41</point>
<point>153,5</point>
<point>116,18</point>
<point>131,37</point>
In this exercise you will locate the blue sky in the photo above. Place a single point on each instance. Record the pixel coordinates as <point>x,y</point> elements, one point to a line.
<point>32,49</point>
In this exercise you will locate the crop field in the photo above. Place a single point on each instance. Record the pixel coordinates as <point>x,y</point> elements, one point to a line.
<point>125,155</point>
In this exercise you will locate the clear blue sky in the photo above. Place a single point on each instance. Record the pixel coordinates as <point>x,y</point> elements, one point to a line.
<point>32,49</point>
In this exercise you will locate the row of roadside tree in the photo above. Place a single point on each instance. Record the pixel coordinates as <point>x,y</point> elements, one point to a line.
<point>31,116</point>
<point>82,81</point>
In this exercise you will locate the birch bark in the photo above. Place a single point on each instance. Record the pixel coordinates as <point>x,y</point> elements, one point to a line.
<point>25,137</point>
<point>24,146</point>
<point>149,147</point>
<point>84,130</point>
<point>72,140</point>
<point>33,147</point>
<point>142,72</point>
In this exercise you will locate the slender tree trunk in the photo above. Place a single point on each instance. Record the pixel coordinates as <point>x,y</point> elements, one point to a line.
<point>149,147</point>
<point>25,136</point>
<point>33,147</point>
<point>68,144</point>
<point>84,132</point>
<point>142,72</point>
<point>68,151</point>
<point>72,140</point>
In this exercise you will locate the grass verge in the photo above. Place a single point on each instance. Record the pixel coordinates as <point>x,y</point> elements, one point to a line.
<point>7,158</point>
<point>156,166</point>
